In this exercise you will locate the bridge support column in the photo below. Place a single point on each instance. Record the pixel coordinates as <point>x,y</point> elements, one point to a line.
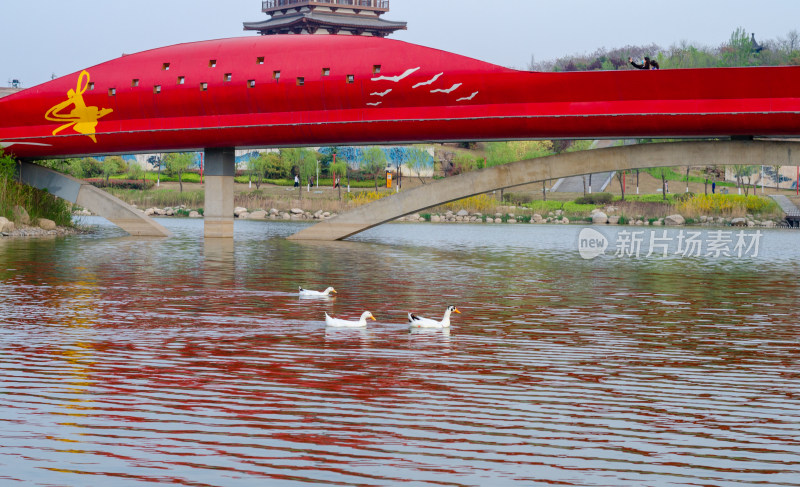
<point>220,168</point>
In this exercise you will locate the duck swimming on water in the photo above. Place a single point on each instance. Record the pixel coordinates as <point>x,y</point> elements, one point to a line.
<point>416,321</point>
<point>307,293</point>
<point>362,323</point>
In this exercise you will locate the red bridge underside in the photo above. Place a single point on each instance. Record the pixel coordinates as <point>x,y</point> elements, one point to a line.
<point>334,90</point>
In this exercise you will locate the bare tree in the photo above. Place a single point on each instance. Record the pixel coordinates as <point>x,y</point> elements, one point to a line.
<point>777,169</point>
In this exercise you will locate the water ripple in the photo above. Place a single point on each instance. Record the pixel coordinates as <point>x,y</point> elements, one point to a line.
<point>192,363</point>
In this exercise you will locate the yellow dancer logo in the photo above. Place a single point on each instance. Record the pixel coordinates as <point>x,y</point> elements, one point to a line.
<point>81,118</point>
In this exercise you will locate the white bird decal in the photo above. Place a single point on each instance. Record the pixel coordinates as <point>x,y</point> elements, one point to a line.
<point>374,104</point>
<point>9,144</point>
<point>382,94</point>
<point>448,91</point>
<point>429,82</point>
<point>397,79</point>
<point>468,98</point>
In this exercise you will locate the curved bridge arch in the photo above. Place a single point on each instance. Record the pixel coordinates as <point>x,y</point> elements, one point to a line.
<point>121,214</point>
<point>641,156</point>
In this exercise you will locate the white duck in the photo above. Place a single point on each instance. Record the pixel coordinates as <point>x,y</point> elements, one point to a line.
<point>307,293</point>
<point>362,323</point>
<point>419,322</point>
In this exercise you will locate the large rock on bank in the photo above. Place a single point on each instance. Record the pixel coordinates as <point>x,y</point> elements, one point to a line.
<point>6,226</point>
<point>674,220</point>
<point>46,224</point>
<point>739,222</point>
<point>599,218</point>
<point>21,215</point>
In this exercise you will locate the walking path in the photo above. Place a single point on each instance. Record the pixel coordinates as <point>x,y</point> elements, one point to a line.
<point>575,184</point>
<point>792,212</point>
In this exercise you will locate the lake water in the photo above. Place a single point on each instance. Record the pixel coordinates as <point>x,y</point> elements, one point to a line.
<point>132,362</point>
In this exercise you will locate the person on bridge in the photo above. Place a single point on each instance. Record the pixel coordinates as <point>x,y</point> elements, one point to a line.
<point>296,181</point>
<point>647,63</point>
<point>654,64</point>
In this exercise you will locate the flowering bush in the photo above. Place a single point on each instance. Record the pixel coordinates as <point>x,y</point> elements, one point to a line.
<point>121,183</point>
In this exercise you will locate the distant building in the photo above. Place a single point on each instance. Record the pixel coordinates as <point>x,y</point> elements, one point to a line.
<point>8,91</point>
<point>343,17</point>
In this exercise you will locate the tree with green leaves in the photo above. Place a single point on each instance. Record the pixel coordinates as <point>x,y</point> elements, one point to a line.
<point>291,160</point>
<point>303,163</point>
<point>308,165</point>
<point>741,172</point>
<point>419,160</point>
<point>74,168</point>
<point>178,163</point>
<point>338,169</point>
<point>739,49</point>
<point>375,162</point>
<point>135,172</point>
<point>8,166</point>
<point>464,162</point>
<point>257,168</point>
<point>275,167</point>
<point>112,165</point>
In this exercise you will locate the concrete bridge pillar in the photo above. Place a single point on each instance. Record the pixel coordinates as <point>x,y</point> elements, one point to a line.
<point>220,168</point>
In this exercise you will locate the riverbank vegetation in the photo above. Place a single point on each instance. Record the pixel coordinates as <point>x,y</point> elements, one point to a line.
<point>18,200</point>
<point>740,50</point>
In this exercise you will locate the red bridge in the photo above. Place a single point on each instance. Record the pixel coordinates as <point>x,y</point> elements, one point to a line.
<point>316,90</point>
<point>304,90</point>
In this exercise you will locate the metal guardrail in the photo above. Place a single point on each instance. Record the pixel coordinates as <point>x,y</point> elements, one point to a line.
<point>268,5</point>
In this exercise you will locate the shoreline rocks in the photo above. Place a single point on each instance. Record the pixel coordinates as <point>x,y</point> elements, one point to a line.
<point>606,216</point>
<point>38,231</point>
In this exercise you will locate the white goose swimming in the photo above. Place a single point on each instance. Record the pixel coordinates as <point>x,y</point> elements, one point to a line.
<point>362,323</point>
<point>307,293</point>
<point>419,322</point>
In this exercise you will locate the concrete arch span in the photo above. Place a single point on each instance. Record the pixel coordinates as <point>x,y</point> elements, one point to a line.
<point>553,167</point>
<point>133,221</point>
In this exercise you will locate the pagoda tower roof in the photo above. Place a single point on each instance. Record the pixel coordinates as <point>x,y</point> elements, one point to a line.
<point>354,17</point>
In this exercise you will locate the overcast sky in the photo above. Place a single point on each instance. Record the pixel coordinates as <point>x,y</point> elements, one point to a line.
<point>45,37</point>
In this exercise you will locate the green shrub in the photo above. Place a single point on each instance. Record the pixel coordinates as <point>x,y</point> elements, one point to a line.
<point>595,199</point>
<point>137,184</point>
<point>38,203</point>
<point>648,198</point>
<point>160,198</point>
<point>575,208</point>
<point>517,199</point>
<point>545,206</point>
<point>726,204</point>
